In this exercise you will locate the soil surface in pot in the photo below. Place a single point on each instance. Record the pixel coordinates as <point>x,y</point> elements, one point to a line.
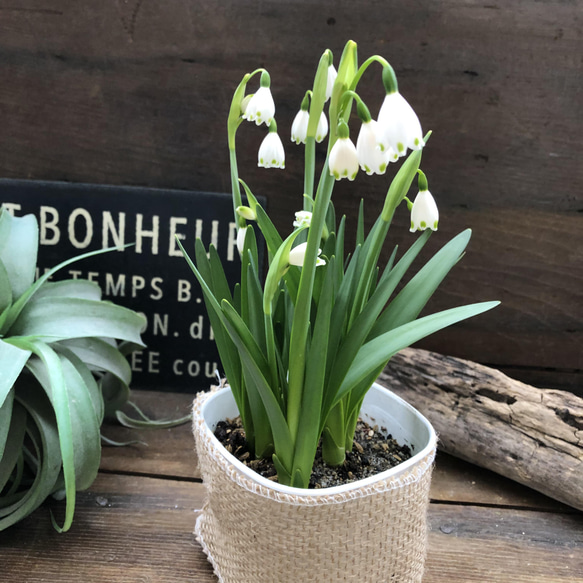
<point>373,452</point>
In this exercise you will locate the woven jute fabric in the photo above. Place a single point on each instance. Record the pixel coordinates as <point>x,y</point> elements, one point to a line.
<point>254,534</point>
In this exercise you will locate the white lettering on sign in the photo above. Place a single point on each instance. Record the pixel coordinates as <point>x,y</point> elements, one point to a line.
<point>173,249</point>
<point>47,224</point>
<point>153,233</point>
<point>88,227</point>
<point>117,233</point>
<point>81,228</point>
<point>184,293</point>
<point>11,207</point>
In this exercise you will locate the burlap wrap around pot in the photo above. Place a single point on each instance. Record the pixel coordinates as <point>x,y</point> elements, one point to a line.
<point>254,531</point>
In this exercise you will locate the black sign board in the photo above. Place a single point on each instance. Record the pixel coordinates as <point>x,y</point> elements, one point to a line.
<point>151,276</point>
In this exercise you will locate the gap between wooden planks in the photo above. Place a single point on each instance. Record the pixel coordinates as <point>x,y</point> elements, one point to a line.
<point>137,528</point>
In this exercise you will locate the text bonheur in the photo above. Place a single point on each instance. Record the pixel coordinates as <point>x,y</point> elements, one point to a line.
<point>80,231</point>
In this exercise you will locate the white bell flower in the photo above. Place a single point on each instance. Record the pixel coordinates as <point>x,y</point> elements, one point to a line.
<point>343,161</point>
<point>424,213</point>
<point>303,219</point>
<point>322,129</point>
<point>241,239</point>
<point>399,125</point>
<point>297,256</point>
<point>299,129</point>
<point>271,153</point>
<point>260,108</point>
<point>371,158</point>
<point>332,74</point>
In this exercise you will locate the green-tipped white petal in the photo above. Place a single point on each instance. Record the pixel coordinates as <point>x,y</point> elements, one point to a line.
<point>371,158</point>
<point>303,219</point>
<point>260,108</point>
<point>424,214</point>
<point>299,129</point>
<point>343,159</point>
<point>271,152</point>
<point>399,125</point>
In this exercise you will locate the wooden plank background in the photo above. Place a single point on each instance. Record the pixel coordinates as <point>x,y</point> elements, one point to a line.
<point>136,92</point>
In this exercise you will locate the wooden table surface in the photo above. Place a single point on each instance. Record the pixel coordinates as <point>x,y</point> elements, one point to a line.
<point>135,523</point>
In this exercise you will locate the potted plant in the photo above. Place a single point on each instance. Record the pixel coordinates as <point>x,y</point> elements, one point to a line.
<point>302,348</point>
<point>62,371</point>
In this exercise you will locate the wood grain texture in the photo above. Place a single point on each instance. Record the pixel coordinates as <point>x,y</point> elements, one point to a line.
<point>170,453</point>
<point>133,528</point>
<point>137,93</point>
<point>533,436</point>
<point>162,452</point>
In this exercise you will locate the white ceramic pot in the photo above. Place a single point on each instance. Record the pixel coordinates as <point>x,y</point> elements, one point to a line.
<point>256,531</point>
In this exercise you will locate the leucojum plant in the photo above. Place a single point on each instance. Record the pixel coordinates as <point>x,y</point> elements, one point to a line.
<point>301,348</point>
<point>62,370</point>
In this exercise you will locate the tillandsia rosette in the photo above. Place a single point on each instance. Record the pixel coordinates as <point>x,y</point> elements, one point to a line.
<point>62,370</point>
<point>301,347</point>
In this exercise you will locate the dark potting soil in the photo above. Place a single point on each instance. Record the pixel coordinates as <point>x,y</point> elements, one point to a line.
<point>373,452</point>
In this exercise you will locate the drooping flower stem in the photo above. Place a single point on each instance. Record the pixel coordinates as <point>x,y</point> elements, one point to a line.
<point>365,66</point>
<point>233,122</point>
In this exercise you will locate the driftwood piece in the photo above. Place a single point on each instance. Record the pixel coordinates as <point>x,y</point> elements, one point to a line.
<point>533,436</point>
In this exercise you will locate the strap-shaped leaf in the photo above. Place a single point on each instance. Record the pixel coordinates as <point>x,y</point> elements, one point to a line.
<point>99,355</point>
<point>309,430</point>
<point>42,432</point>
<point>69,288</point>
<point>53,319</point>
<point>12,361</point>
<point>87,378</point>
<point>52,378</point>
<point>377,352</point>
<point>413,297</point>
<point>7,319</point>
<point>18,251</point>
<point>5,289</point>
<point>365,321</point>
<point>256,367</point>
<point>5,417</point>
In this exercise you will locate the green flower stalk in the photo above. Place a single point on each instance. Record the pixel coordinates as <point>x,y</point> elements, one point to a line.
<point>301,348</point>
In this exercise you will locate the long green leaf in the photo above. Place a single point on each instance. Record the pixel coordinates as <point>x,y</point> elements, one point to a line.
<point>69,288</point>
<point>100,355</point>
<point>7,319</point>
<point>42,431</point>
<point>415,295</point>
<point>377,352</point>
<point>12,361</point>
<point>5,416</point>
<point>309,430</point>
<point>19,250</point>
<point>256,367</point>
<point>53,319</point>
<point>56,388</point>
<point>365,321</point>
<point>5,290</point>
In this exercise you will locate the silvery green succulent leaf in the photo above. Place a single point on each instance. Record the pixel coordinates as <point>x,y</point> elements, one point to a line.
<point>62,367</point>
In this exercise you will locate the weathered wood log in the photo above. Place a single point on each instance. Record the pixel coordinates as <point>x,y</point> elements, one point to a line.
<point>533,436</point>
